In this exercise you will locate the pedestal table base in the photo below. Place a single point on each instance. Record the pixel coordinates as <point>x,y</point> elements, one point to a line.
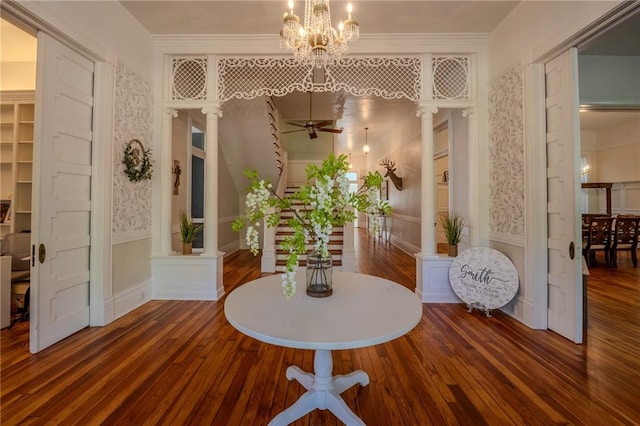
<point>323,391</point>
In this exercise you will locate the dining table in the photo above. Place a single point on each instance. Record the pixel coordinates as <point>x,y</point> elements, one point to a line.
<point>363,311</point>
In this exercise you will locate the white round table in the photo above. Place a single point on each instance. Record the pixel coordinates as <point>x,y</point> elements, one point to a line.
<point>363,311</point>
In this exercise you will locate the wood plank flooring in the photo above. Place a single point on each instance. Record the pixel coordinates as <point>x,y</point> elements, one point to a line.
<point>181,363</point>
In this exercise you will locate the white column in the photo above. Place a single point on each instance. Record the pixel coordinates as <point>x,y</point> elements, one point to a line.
<point>474,175</point>
<point>211,181</point>
<point>428,230</point>
<point>432,271</point>
<point>166,181</point>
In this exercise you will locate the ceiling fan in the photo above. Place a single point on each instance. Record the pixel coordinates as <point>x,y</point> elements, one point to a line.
<point>312,127</point>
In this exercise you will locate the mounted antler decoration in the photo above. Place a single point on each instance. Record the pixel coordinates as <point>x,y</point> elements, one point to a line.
<point>391,172</point>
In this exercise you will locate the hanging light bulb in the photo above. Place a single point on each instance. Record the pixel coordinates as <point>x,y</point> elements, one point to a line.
<point>366,148</point>
<point>350,163</point>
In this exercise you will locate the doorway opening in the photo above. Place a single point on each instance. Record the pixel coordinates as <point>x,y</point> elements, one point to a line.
<point>18,55</point>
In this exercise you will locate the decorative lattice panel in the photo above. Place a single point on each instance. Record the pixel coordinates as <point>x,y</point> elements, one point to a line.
<point>451,77</point>
<point>385,77</point>
<point>189,78</point>
<point>389,78</point>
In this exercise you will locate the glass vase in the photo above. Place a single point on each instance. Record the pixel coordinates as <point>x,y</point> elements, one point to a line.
<point>319,275</point>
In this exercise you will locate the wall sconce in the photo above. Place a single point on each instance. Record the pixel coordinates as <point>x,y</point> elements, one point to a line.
<point>585,170</point>
<point>366,148</point>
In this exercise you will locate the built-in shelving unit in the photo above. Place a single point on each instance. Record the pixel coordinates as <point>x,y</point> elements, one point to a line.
<point>16,159</point>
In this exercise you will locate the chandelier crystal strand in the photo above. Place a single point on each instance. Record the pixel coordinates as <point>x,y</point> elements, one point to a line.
<point>316,42</point>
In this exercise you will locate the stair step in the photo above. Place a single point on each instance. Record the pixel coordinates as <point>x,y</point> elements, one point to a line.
<point>335,239</point>
<point>285,230</point>
<point>303,262</point>
<point>332,252</point>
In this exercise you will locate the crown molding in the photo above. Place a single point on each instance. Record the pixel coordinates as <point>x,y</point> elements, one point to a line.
<point>268,44</point>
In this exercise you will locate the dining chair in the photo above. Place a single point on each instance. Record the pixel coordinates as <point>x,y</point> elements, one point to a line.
<point>625,238</point>
<point>598,239</point>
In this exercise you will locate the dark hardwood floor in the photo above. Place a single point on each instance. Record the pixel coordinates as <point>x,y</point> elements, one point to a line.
<point>181,363</point>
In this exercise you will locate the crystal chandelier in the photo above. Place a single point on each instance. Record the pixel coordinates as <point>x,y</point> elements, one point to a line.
<point>317,42</point>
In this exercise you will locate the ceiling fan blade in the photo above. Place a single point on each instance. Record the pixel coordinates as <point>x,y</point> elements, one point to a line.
<point>293,131</point>
<point>331,130</point>
<point>312,133</point>
<point>323,123</point>
<point>297,125</point>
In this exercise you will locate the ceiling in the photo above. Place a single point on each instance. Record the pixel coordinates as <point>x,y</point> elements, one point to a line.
<point>265,17</point>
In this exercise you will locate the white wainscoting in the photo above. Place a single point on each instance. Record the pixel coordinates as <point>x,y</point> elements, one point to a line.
<point>433,279</point>
<point>625,199</point>
<point>127,300</point>
<point>177,277</point>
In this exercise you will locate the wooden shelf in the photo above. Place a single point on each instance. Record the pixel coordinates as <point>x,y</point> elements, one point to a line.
<point>17,114</point>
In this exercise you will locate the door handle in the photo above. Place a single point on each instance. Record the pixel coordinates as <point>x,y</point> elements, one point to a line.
<point>42,253</point>
<point>572,250</point>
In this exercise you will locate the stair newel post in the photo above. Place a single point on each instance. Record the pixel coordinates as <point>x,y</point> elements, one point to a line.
<point>348,248</point>
<point>268,262</point>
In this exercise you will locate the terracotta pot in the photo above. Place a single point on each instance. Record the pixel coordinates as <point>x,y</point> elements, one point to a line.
<point>453,250</point>
<point>187,248</point>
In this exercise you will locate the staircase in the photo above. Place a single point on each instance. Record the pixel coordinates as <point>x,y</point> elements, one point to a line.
<point>336,241</point>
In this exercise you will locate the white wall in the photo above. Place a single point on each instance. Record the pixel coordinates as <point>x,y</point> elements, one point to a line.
<point>533,30</point>
<point>18,52</point>
<point>228,206</point>
<point>17,75</point>
<point>618,153</point>
<point>104,27</point>
<point>405,148</point>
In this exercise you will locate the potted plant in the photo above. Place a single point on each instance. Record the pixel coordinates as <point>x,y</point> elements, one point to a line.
<point>452,224</point>
<point>188,231</point>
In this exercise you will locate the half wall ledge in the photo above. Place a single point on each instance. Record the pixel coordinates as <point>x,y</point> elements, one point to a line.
<point>432,279</point>
<point>177,277</point>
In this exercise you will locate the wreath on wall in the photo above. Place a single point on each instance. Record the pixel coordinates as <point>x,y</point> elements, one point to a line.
<point>137,161</point>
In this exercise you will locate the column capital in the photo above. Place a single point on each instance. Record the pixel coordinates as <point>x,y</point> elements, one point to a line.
<point>425,108</point>
<point>471,112</point>
<point>169,113</point>
<point>215,109</point>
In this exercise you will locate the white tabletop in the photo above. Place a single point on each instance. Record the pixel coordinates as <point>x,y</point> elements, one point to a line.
<point>364,310</point>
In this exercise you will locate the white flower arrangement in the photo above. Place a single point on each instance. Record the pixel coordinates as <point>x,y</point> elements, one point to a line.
<point>326,201</point>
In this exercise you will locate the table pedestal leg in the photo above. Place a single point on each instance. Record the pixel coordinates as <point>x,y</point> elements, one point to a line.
<point>323,391</point>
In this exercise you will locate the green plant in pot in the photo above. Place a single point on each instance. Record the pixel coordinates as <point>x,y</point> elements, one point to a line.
<point>323,203</point>
<point>452,224</point>
<point>188,231</point>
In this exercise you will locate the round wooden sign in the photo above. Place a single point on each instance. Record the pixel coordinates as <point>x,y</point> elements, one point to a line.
<point>483,278</point>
